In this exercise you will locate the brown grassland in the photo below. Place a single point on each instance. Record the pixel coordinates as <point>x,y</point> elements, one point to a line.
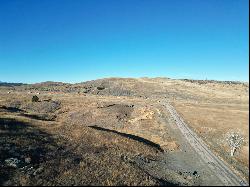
<point>93,133</point>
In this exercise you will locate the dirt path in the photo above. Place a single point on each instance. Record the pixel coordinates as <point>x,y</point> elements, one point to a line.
<point>218,167</point>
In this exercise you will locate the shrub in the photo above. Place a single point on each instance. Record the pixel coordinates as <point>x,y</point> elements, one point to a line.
<point>35,98</point>
<point>100,88</point>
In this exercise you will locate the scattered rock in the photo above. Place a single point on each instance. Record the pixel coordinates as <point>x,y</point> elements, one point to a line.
<point>27,160</point>
<point>126,158</point>
<point>131,106</point>
<point>30,170</point>
<point>13,162</point>
<point>38,171</point>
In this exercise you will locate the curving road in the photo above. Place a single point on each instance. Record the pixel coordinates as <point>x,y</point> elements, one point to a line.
<point>222,171</point>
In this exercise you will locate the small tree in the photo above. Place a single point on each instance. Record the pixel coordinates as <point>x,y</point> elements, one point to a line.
<point>35,98</point>
<point>234,140</point>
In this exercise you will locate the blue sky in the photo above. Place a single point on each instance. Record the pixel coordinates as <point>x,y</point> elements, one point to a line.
<point>78,40</point>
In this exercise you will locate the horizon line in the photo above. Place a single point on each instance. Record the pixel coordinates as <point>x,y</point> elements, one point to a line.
<point>163,77</point>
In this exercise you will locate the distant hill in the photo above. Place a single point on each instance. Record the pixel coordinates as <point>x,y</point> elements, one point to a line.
<point>138,87</point>
<point>10,84</point>
<point>213,81</point>
<point>50,84</point>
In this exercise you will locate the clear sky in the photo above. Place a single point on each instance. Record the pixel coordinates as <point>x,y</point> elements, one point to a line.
<point>78,40</point>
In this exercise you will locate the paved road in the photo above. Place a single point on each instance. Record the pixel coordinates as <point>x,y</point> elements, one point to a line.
<point>221,170</point>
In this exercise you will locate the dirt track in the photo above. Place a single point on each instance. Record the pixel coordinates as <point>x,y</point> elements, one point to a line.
<point>220,169</point>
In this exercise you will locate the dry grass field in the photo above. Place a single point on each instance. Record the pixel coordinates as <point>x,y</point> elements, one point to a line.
<point>94,132</point>
<point>68,153</point>
<point>213,121</point>
<point>226,110</point>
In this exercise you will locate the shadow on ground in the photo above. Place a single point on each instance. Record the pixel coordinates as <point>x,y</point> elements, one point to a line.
<point>43,117</point>
<point>11,109</point>
<point>49,160</point>
<point>30,146</point>
<point>131,136</point>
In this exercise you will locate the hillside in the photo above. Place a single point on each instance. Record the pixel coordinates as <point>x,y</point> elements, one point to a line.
<point>117,131</point>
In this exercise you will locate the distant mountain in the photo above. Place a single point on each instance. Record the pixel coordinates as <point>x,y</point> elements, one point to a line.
<point>10,84</point>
